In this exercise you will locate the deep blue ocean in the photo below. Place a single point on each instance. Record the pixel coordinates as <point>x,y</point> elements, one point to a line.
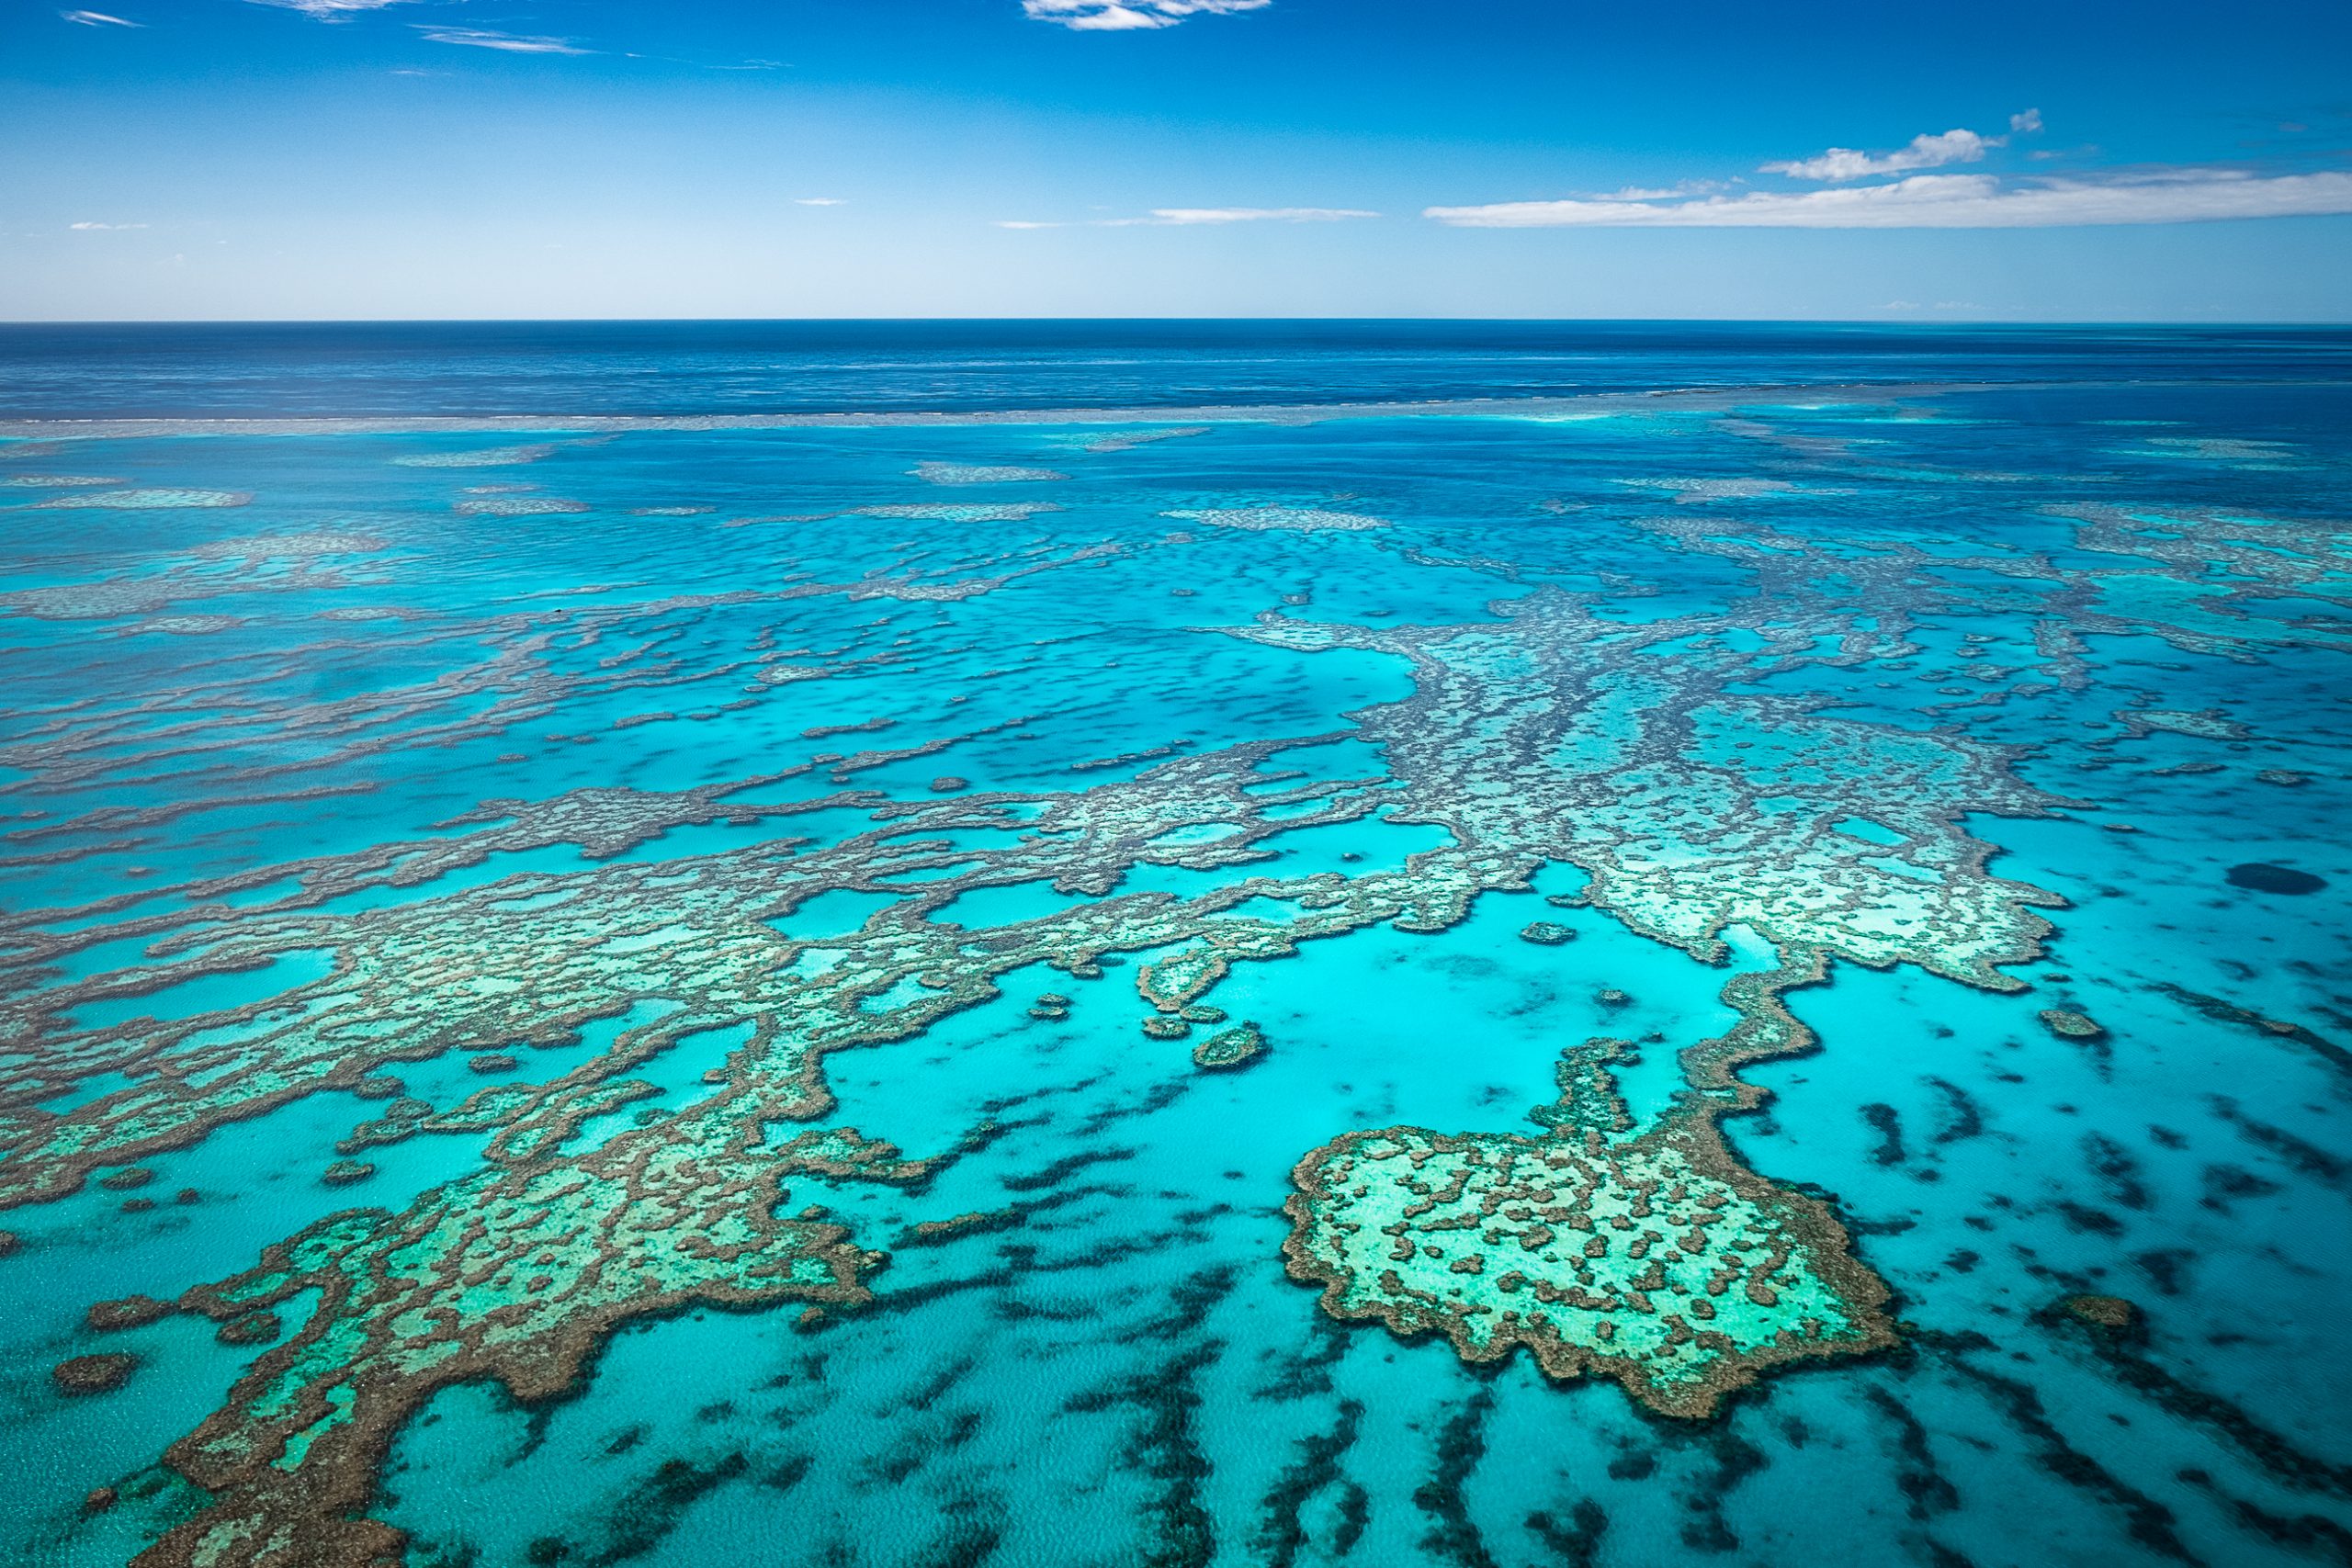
<point>889,945</point>
<point>195,370</point>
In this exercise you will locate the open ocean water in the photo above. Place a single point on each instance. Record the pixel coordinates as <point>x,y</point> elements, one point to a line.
<point>1362,944</point>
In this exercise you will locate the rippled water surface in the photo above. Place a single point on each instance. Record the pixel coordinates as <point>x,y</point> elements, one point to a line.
<point>687,368</point>
<point>1750,976</point>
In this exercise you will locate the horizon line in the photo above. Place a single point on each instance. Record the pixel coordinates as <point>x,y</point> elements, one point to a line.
<point>1891,319</point>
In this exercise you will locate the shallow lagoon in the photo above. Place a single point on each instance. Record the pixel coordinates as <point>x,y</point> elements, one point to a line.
<point>803,877</point>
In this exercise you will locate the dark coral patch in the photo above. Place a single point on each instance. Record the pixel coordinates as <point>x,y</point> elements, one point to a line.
<point>2261,876</point>
<point>92,1374</point>
<point>2112,1314</point>
<point>250,1328</point>
<point>131,1312</point>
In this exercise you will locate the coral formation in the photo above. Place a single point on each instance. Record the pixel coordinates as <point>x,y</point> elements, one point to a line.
<point>1230,1048</point>
<point>1653,1259</point>
<point>634,1035</point>
<point>92,1374</point>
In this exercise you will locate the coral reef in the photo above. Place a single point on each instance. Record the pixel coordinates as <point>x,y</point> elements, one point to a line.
<point>635,1036</point>
<point>92,1374</point>
<point>1232,1047</point>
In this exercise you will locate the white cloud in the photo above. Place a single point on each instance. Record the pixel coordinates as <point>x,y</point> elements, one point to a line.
<point>819,201</point>
<point>1660,193</point>
<point>482,37</point>
<point>1923,153</point>
<point>92,226</point>
<point>1185,217</point>
<point>1126,16</point>
<point>2181,194</point>
<point>1182,215</point>
<point>97,19</point>
<point>329,10</point>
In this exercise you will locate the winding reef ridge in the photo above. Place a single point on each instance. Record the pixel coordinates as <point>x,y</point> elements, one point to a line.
<point>455,934</point>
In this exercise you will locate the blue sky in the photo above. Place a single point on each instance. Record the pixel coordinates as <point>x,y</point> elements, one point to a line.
<point>1557,158</point>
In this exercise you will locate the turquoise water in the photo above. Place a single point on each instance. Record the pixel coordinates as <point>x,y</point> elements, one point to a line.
<point>658,870</point>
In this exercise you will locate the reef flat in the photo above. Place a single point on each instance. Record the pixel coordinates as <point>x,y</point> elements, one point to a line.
<point>1482,989</point>
<point>1655,1260</point>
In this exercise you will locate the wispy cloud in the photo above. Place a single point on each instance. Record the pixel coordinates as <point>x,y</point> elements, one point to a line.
<point>86,227</point>
<point>483,37</point>
<point>2176,194</point>
<point>1243,215</point>
<point>819,201</point>
<point>1661,193</point>
<point>329,10</point>
<point>1126,15</point>
<point>1184,216</point>
<point>97,19</point>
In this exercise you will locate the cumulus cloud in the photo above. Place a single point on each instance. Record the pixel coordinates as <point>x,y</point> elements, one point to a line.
<point>483,37</point>
<point>1184,216</point>
<point>1923,153</point>
<point>97,19</point>
<point>2179,194</point>
<point>1126,16</point>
